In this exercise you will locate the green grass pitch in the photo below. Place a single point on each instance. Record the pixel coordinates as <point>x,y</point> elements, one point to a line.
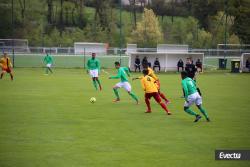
<point>49,121</point>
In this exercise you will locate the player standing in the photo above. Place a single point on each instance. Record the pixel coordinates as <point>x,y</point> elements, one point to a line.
<point>192,96</point>
<point>48,60</point>
<point>123,72</point>
<point>151,90</point>
<point>6,66</point>
<point>93,66</point>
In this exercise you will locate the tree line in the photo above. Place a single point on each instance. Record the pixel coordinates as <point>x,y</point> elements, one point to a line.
<point>199,23</point>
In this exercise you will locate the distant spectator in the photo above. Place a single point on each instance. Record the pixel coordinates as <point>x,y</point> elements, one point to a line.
<point>144,60</point>
<point>248,64</point>
<point>137,63</point>
<point>180,64</point>
<point>157,64</point>
<point>198,65</point>
<point>190,69</point>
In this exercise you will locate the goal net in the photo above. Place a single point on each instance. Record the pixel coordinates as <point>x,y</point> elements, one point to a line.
<point>19,45</point>
<point>88,48</point>
<point>172,48</point>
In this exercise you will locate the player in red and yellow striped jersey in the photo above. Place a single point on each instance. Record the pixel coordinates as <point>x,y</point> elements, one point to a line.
<point>6,66</point>
<point>149,85</point>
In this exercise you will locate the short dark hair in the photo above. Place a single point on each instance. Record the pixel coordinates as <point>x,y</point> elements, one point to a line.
<point>117,63</point>
<point>184,74</point>
<point>145,72</point>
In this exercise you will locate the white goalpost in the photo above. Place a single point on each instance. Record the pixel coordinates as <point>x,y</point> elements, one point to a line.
<point>88,48</point>
<point>19,45</point>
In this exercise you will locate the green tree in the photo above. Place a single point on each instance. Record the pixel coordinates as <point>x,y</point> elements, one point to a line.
<point>148,32</point>
<point>242,20</point>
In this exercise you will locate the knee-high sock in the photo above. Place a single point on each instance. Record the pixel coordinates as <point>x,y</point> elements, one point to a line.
<point>50,70</point>
<point>189,111</point>
<point>164,107</point>
<point>133,96</point>
<point>1,75</point>
<point>203,111</point>
<point>94,83</point>
<point>47,70</point>
<point>148,104</point>
<point>99,83</point>
<point>116,93</point>
<point>163,96</point>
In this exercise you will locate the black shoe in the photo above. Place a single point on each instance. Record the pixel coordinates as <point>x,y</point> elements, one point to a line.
<point>198,117</point>
<point>208,120</point>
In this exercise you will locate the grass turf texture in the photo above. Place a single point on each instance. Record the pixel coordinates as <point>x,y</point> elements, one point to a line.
<point>49,121</point>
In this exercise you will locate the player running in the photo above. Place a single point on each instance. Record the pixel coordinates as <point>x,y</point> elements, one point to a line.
<point>151,73</point>
<point>6,66</point>
<point>149,86</point>
<point>48,60</point>
<point>93,66</point>
<point>192,96</point>
<point>123,72</point>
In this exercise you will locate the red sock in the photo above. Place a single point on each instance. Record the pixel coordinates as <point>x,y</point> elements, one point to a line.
<point>164,107</point>
<point>163,96</point>
<point>148,104</point>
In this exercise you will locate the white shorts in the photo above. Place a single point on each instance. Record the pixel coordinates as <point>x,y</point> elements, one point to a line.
<point>48,65</point>
<point>193,98</point>
<point>93,73</point>
<point>124,85</point>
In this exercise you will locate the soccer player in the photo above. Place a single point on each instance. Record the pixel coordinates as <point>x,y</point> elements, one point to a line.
<point>93,66</point>
<point>191,72</point>
<point>149,86</point>
<point>151,73</point>
<point>192,96</point>
<point>123,72</point>
<point>48,60</point>
<point>6,66</point>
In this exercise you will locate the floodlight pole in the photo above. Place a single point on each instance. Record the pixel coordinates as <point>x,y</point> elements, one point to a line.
<point>12,32</point>
<point>225,30</point>
<point>120,31</point>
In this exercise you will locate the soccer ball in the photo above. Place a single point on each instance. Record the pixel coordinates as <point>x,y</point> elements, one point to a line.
<point>92,100</point>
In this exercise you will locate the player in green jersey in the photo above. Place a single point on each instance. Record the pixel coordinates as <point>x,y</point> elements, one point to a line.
<point>93,66</point>
<point>48,60</point>
<point>192,96</point>
<point>123,72</point>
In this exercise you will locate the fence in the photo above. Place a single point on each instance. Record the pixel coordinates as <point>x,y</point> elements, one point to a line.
<point>65,57</point>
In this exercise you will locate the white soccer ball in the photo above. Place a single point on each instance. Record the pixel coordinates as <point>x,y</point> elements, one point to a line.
<point>92,100</point>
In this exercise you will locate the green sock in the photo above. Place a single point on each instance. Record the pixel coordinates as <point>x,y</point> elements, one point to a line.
<point>204,112</point>
<point>116,93</point>
<point>189,111</point>
<point>133,96</point>
<point>47,71</point>
<point>95,84</point>
<point>99,83</point>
